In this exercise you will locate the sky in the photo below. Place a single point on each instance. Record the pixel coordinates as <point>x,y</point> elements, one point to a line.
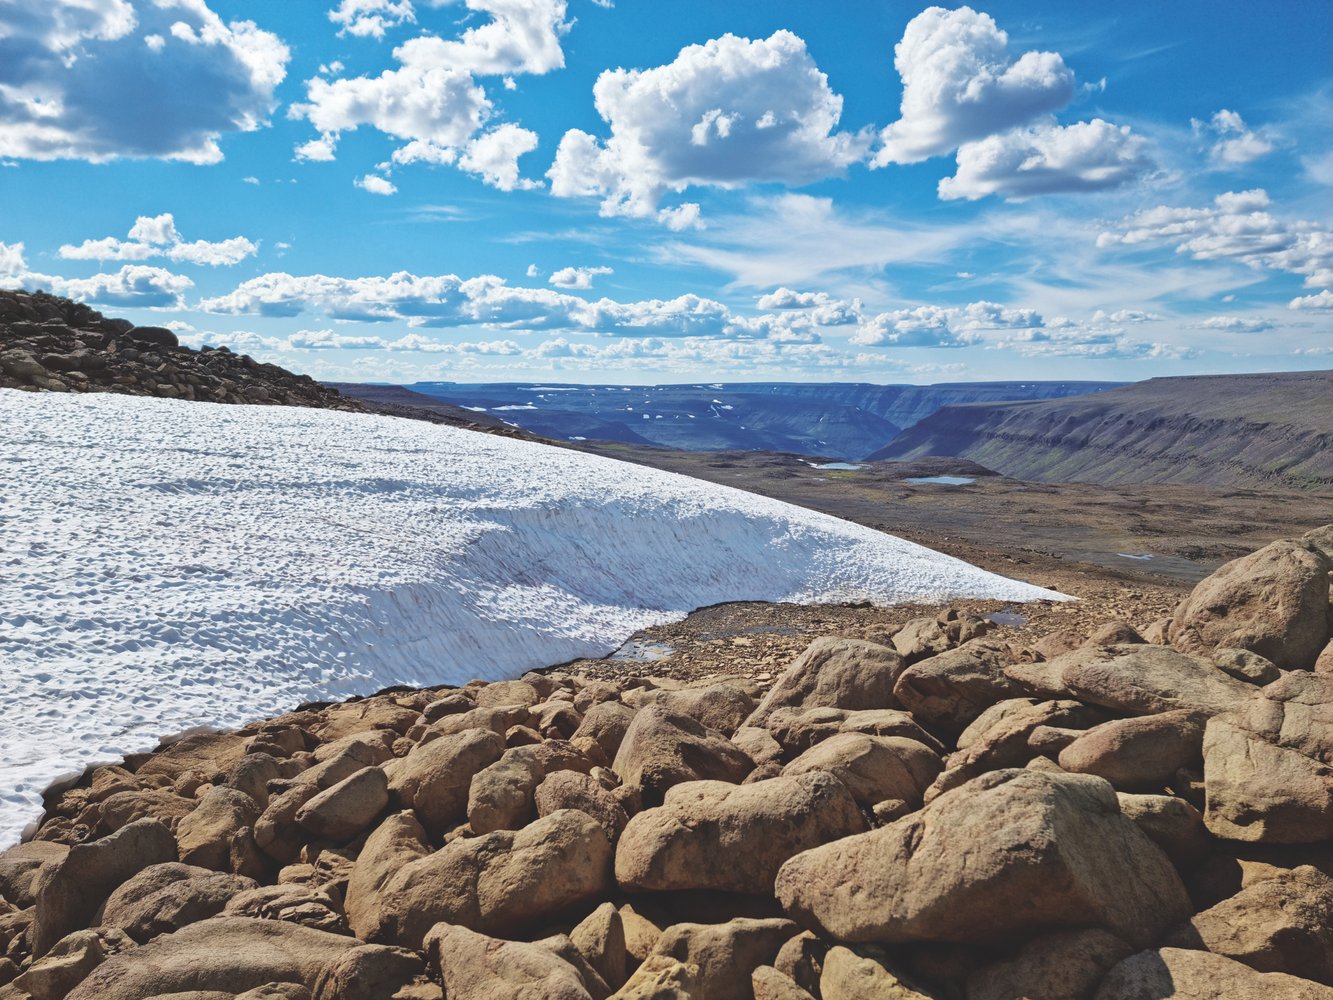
<point>625,191</point>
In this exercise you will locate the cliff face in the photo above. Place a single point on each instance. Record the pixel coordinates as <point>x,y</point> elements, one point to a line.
<point>1225,430</point>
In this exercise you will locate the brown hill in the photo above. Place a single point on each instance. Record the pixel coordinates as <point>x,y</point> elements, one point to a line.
<point>1220,430</point>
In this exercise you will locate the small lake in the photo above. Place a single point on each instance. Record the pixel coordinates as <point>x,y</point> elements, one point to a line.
<point>1130,555</point>
<point>838,466</point>
<point>942,480</point>
<point>642,651</point>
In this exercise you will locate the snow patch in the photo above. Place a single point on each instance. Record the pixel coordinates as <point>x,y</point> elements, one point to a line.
<point>166,565</point>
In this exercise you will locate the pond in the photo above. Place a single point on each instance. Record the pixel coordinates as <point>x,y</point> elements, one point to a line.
<point>838,466</point>
<point>943,480</point>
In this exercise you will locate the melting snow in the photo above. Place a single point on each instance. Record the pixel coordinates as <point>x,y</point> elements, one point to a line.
<point>167,565</point>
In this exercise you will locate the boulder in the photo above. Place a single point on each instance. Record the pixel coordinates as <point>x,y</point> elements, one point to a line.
<point>1273,602</point>
<point>605,723</point>
<point>572,790</point>
<point>1171,823</point>
<point>849,674</point>
<point>341,812</point>
<point>1264,764</point>
<point>1324,664</point>
<point>952,689</point>
<point>722,707</point>
<point>1018,849</point>
<point>663,748</point>
<point>1139,754</point>
<point>21,864</point>
<point>1134,679</point>
<point>1177,974</point>
<point>164,898</point>
<point>433,780</point>
<point>767,983</point>
<point>1281,924</point>
<point>298,903</point>
<point>724,953</point>
<point>69,892</point>
<point>873,768</point>
<point>796,731</point>
<point>204,837</point>
<point>600,938</point>
<point>1115,634</point>
<point>227,955</point>
<point>1053,966</point>
<point>734,838</point>
<point>473,966</point>
<point>661,978</point>
<point>369,972</point>
<point>499,883</point>
<point>1245,665</point>
<point>500,796</point>
<point>864,974</point>
<point>69,962</point>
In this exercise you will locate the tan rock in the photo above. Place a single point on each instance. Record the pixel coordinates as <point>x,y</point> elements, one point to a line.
<point>1138,754</point>
<point>501,794</point>
<point>69,892</point>
<point>164,898</point>
<point>1176,974</point>
<point>873,768</point>
<point>473,966</point>
<point>724,953</point>
<point>295,902</point>
<point>20,866</point>
<point>767,983</point>
<point>1273,602</point>
<point>713,835</point>
<point>641,932</point>
<point>663,748</point>
<point>369,972</point>
<point>849,674</point>
<point>600,938</point>
<point>1245,665</point>
<point>661,978</point>
<point>1264,770</point>
<point>434,779</point>
<point>69,962</point>
<point>1021,849</point>
<point>865,974</point>
<point>952,689</point>
<point>1324,664</point>
<point>1053,966</point>
<point>341,812</point>
<point>498,884</point>
<point>1171,823</point>
<point>204,837</point>
<point>796,730</point>
<point>606,723</point>
<point>572,790</point>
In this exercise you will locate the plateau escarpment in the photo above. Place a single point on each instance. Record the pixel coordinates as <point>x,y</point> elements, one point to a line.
<point>935,812</point>
<point>1271,430</point>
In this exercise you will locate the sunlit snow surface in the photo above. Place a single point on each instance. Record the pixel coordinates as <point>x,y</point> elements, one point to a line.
<point>166,565</point>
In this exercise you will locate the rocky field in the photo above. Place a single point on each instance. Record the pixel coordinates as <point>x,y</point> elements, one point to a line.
<point>52,344</point>
<point>945,810</point>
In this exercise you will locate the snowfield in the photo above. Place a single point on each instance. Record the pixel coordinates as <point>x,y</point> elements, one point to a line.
<point>169,565</point>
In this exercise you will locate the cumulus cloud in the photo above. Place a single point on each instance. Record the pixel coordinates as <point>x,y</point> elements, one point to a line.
<point>374,184</point>
<point>1319,300</point>
<point>1237,227</point>
<point>1231,142</point>
<point>789,298</point>
<point>157,236</point>
<point>942,326</point>
<point>1236,324</point>
<point>371,18</point>
<point>101,79</point>
<point>494,155</point>
<point>1048,159</point>
<point>577,277</point>
<point>12,261</point>
<point>960,84</point>
<point>134,285</point>
<point>723,114</point>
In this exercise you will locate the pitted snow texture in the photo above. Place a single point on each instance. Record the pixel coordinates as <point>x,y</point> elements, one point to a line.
<point>167,565</point>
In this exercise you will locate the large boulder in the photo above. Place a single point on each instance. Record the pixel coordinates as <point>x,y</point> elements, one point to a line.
<point>1135,679</point>
<point>713,835</point>
<point>497,884</point>
<point>501,794</point>
<point>1171,823</point>
<point>341,812</point>
<point>797,730</point>
<point>952,689</point>
<point>864,974</point>
<point>725,953</point>
<point>662,748</point>
<point>600,939</point>
<point>204,837</point>
<point>1281,924</point>
<point>21,864</point>
<point>1178,974</point>
<point>371,972</point>
<point>164,898</point>
<point>1054,966</point>
<point>572,790</point>
<point>835,673</point>
<point>1265,765</point>
<point>722,707</point>
<point>69,962</point>
<point>873,768</point>
<point>1273,602</point>
<point>605,724</point>
<point>1139,754</point>
<point>433,780</point>
<point>69,892</point>
<point>226,955</point>
<point>474,966</point>
<point>1018,849</point>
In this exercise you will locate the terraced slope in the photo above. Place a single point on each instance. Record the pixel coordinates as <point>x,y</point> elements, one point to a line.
<point>1217,430</point>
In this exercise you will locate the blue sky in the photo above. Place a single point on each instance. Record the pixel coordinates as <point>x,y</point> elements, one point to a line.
<point>581,190</point>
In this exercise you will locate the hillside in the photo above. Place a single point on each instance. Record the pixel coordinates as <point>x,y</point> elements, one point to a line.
<point>837,420</point>
<point>1272,430</point>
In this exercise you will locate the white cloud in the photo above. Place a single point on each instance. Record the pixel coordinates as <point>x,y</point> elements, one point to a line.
<point>722,114</point>
<point>960,84</point>
<point>1232,143</point>
<point>943,326</point>
<point>788,298</point>
<point>494,155</point>
<point>12,261</point>
<point>1236,227</point>
<point>1320,300</point>
<point>371,18</point>
<point>321,150</point>
<point>534,271</point>
<point>1048,159</point>
<point>374,184</point>
<point>1236,324</point>
<point>134,285</point>
<point>577,277</point>
<point>157,236</point>
<point>1125,316</point>
<point>523,36</point>
<point>101,79</point>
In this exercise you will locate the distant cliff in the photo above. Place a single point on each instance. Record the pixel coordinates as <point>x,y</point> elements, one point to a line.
<point>1216,430</point>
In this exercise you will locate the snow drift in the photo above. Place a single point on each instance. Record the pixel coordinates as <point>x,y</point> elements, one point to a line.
<point>168,565</point>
